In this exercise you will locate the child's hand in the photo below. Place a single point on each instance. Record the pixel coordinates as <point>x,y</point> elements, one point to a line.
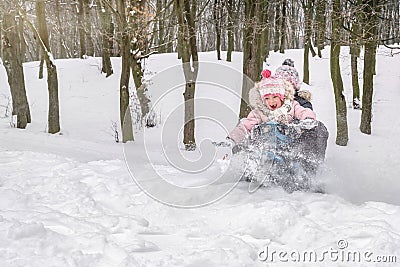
<point>308,123</point>
<point>280,115</point>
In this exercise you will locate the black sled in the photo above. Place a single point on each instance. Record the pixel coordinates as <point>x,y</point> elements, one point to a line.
<point>276,156</point>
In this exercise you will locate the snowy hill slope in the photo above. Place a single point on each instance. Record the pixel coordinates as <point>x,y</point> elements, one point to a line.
<point>69,200</point>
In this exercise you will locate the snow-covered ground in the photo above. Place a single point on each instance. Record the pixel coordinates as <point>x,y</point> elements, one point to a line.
<point>77,198</point>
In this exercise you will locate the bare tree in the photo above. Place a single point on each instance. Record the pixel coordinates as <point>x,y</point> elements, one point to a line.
<point>340,100</point>
<point>12,56</point>
<point>320,25</point>
<point>229,8</point>
<point>283,30</point>
<point>252,52</point>
<point>370,26</point>
<point>125,41</point>
<point>61,36</point>
<point>52,80</point>
<point>107,31</point>
<point>265,40</point>
<point>81,28</point>
<point>308,12</point>
<point>186,12</point>
<point>88,28</point>
<point>355,45</point>
<point>277,20</point>
<point>139,32</point>
<point>217,16</point>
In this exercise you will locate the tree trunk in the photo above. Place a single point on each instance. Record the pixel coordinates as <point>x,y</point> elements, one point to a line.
<point>22,40</point>
<point>81,29</point>
<point>107,35</point>
<point>159,40</point>
<point>186,12</point>
<point>320,23</point>
<point>41,67</point>
<point>60,31</point>
<point>229,8</point>
<point>265,40</point>
<point>124,109</point>
<point>307,41</point>
<point>354,82</point>
<point>190,77</point>
<point>354,54</point>
<point>252,59</point>
<point>217,9</point>
<point>88,29</point>
<point>340,100</point>
<point>277,23</point>
<point>52,80</point>
<point>13,64</point>
<point>283,28</point>
<point>306,64</point>
<point>371,36</point>
<point>140,46</point>
<point>141,90</point>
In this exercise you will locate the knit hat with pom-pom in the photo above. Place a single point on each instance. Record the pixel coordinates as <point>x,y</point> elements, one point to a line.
<point>289,74</point>
<point>274,86</point>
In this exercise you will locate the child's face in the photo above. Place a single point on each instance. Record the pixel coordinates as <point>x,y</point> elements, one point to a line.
<point>273,102</point>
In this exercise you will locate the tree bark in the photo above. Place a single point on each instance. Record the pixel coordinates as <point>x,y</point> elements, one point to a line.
<point>252,54</point>
<point>371,37</point>
<point>354,54</point>
<point>11,45</point>
<point>125,40</point>
<point>320,23</point>
<point>139,46</point>
<point>107,35</point>
<point>229,8</point>
<point>186,12</point>
<point>340,100</point>
<point>217,9</point>
<point>60,31</point>
<point>283,31</point>
<point>21,38</point>
<point>277,23</point>
<point>81,29</point>
<point>52,80</point>
<point>354,81</point>
<point>307,40</point>
<point>88,29</point>
<point>265,40</point>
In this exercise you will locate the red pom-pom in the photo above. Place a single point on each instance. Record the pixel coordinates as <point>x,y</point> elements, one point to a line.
<point>266,73</point>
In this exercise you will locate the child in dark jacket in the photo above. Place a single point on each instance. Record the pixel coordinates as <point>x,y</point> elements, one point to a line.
<point>289,73</point>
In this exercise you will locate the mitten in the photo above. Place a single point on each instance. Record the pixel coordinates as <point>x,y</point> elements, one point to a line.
<point>308,123</point>
<point>281,115</point>
<point>237,148</point>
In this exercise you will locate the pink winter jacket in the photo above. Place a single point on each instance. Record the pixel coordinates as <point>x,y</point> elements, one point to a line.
<point>261,113</point>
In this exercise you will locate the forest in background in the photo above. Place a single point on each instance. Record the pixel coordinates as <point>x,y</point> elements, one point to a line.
<point>134,30</point>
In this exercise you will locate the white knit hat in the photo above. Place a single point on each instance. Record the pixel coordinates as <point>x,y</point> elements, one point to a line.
<point>271,85</point>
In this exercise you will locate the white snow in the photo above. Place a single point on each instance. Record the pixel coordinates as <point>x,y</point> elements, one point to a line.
<point>69,199</point>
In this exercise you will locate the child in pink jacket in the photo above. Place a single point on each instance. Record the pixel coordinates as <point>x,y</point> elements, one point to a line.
<point>272,99</point>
